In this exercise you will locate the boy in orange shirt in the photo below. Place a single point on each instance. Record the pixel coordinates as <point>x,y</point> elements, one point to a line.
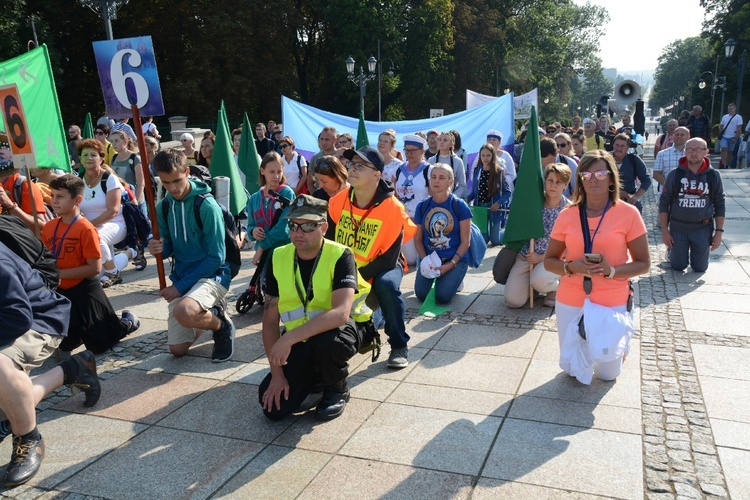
<point>75,244</point>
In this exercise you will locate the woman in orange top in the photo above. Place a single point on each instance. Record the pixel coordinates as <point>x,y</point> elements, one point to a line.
<point>618,241</point>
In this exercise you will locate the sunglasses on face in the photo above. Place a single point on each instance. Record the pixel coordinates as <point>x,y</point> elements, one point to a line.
<point>283,146</point>
<point>99,132</point>
<point>277,133</point>
<point>562,144</point>
<point>307,227</point>
<point>599,175</point>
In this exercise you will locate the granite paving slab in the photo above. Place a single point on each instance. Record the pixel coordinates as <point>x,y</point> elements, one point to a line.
<point>195,366</point>
<point>470,371</point>
<point>139,396</point>
<point>731,434</point>
<point>727,399</point>
<point>371,388</point>
<point>429,438</point>
<point>566,457</point>
<point>425,333</point>
<point>380,370</point>
<point>736,463</point>
<point>452,399</point>
<point>500,341</point>
<point>277,472</point>
<point>731,323</point>
<point>491,489</point>
<point>726,271</point>
<point>711,301</point>
<point>167,463</point>
<point>346,478</point>
<point>721,361</point>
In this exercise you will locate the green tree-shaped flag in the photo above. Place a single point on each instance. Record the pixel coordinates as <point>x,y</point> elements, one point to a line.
<point>247,157</point>
<point>362,139</point>
<point>222,164</point>
<point>88,129</point>
<point>525,216</point>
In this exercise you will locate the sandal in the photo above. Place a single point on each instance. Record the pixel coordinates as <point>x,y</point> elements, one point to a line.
<point>139,261</point>
<point>109,279</point>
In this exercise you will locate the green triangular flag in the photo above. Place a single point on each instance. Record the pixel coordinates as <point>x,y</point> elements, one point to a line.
<point>525,215</point>
<point>429,306</point>
<point>88,129</point>
<point>479,216</point>
<point>247,157</point>
<point>362,139</point>
<point>222,164</point>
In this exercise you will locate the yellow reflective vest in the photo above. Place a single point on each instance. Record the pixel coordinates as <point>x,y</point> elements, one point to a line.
<point>291,308</point>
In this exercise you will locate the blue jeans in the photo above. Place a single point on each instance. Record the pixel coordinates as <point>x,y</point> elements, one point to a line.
<point>446,285</point>
<point>496,223</point>
<point>692,246</point>
<point>387,289</point>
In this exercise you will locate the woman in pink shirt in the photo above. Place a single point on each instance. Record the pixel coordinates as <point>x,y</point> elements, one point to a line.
<point>619,245</point>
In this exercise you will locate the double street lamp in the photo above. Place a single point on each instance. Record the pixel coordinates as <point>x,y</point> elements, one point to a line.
<point>361,79</point>
<point>107,9</point>
<point>717,82</point>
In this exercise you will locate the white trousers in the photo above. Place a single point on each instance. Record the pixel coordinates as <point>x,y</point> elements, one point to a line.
<point>110,233</point>
<point>565,314</point>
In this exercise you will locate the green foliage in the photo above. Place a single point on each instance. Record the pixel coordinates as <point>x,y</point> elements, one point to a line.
<point>678,70</point>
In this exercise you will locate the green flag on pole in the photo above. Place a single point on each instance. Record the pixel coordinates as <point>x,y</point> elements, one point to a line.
<point>362,140</point>
<point>525,216</point>
<point>88,129</point>
<point>247,157</point>
<point>32,73</point>
<point>222,164</point>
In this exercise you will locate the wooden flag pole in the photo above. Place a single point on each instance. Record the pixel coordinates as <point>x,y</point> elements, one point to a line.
<point>149,189</point>
<point>34,213</point>
<point>531,269</point>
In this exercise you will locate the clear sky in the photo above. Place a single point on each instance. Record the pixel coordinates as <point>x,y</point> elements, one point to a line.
<point>646,26</point>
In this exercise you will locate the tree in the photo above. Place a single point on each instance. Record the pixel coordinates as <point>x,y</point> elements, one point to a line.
<point>677,72</point>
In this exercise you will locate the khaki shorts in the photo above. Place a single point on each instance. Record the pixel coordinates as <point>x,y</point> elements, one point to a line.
<point>207,293</point>
<point>31,349</point>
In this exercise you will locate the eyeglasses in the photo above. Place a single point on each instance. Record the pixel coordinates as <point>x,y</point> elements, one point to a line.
<point>307,227</point>
<point>411,150</point>
<point>599,175</point>
<point>358,167</point>
<point>283,146</point>
<point>99,132</point>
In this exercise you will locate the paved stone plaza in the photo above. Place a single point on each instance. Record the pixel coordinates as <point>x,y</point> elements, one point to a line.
<point>482,411</point>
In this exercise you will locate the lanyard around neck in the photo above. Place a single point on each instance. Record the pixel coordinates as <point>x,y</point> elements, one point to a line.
<point>57,246</point>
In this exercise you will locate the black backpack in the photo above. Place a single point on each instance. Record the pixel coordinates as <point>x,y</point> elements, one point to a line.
<point>18,194</point>
<point>233,256</point>
<point>138,226</point>
<point>22,241</point>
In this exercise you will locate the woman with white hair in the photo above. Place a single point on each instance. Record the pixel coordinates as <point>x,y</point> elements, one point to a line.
<point>188,141</point>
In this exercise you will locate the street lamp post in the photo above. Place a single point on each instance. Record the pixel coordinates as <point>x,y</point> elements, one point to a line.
<point>380,81</point>
<point>361,79</point>
<point>107,9</point>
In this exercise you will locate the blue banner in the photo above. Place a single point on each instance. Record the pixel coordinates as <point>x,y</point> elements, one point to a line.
<point>127,71</point>
<point>303,123</point>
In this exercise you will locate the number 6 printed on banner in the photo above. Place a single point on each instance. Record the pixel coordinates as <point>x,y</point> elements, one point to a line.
<point>119,79</point>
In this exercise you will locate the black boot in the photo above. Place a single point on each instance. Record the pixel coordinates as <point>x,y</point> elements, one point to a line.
<point>26,459</point>
<point>333,403</point>
<point>80,371</point>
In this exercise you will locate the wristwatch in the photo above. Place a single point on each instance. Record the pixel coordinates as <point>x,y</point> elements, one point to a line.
<point>566,269</point>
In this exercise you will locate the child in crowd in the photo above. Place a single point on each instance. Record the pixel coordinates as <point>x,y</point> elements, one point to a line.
<point>74,242</point>
<point>263,205</point>
<point>490,189</point>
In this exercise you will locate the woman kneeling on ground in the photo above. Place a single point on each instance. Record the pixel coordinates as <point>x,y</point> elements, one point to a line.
<point>618,249</point>
<point>444,227</point>
<point>556,179</point>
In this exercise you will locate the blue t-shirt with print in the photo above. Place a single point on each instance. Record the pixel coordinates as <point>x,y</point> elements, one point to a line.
<point>441,228</point>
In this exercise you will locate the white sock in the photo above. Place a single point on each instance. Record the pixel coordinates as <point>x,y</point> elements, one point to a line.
<point>121,261</point>
<point>131,253</point>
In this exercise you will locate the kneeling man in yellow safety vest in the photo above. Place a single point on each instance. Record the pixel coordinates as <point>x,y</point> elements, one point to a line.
<point>314,289</point>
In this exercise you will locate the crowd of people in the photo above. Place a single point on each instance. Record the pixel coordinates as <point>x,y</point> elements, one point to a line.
<point>333,239</point>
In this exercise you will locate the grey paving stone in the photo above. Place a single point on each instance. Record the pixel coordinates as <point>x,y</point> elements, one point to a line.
<point>380,370</point>
<point>310,434</point>
<point>711,301</point>
<point>195,366</point>
<point>470,371</point>
<point>373,389</point>
<point>727,399</point>
<point>556,411</point>
<point>277,472</point>
<point>251,373</point>
<point>424,437</point>
<point>719,361</point>
<point>452,399</point>
<point>366,479</point>
<point>731,434</point>
<point>496,341</point>
<point>424,333</point>
<point>545,379</point>
<point>559,456</point>
<point>140,396</point>
<point>490,489</point>
<point>72,442</point>
<point>735,464</point>
<point>167,463</point>
<point>217,412</point>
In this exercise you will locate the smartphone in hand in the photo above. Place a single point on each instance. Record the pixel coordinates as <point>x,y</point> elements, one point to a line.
<point>594,258</point>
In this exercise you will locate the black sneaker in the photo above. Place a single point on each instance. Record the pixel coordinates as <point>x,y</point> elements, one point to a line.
<point>24,461</point>
<point>130,321</point>
<point>85,377</point>
<point>224,336</point>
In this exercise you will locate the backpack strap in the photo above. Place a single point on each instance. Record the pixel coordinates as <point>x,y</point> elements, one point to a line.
<point>17,189</point>
<point>103,183</point>
<point>197,202</point>
<point>299,164</point>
